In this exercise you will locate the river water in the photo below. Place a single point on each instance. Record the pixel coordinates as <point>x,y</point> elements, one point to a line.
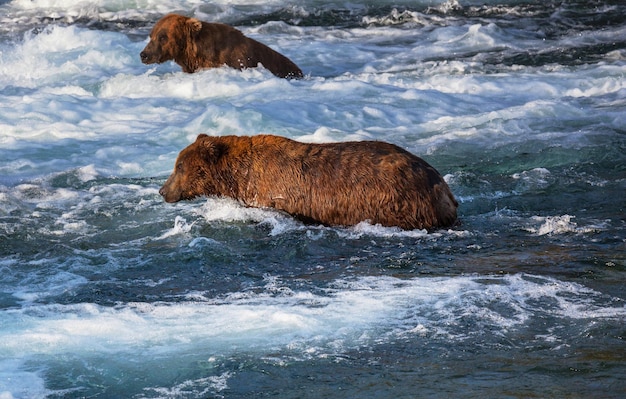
<point>106,291</point>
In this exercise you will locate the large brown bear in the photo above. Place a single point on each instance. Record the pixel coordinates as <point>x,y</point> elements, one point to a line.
<point>331,184</point>
<point>194,45</point>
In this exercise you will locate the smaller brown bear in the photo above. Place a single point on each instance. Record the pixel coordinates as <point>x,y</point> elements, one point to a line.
<point>195,45</point>
<point>332,184</point>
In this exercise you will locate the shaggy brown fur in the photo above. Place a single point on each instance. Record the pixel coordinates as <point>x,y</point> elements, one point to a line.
<point>194,45</point>
<point>332,184</point>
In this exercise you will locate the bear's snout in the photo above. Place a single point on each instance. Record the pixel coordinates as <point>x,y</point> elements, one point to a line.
<point>169,195</point>
<point>166,194</point>
<point>147,57</point>
<point>150,54</point>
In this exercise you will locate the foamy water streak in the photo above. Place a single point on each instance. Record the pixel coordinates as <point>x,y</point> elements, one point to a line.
<point>352,312</point>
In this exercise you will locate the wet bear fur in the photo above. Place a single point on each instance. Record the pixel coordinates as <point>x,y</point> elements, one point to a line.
<point>331,184</point>
<point>195,45</point>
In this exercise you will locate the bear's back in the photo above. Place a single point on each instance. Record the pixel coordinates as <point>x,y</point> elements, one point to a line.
<point>225,45</point>
<point>345,183</point>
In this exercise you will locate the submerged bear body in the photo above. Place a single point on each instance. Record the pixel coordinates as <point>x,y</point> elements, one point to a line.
<point>195,45</point>
<point>331,184</point>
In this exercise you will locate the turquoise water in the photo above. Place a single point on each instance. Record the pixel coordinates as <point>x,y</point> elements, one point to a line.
<point>108,291</point>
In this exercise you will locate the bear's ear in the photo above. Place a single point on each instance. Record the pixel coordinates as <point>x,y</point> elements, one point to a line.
<point>194,25</point>
<point>212,150</point>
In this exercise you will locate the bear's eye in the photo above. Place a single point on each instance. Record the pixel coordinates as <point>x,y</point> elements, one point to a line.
<point>163,38</point>
<point>179,167</point>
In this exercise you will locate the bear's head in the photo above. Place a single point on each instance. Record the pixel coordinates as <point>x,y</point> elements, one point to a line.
<point>170,39</point>
<point>198,171</point>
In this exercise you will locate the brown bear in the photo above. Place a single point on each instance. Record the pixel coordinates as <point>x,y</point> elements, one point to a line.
<point>194,45</point>
<point>332,184</point>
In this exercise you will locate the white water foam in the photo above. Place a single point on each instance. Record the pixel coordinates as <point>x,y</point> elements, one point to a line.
<point>563,224</point>
<point>202,387</point>
<point>229,210</point>
<point>302,325</point>
<point>352,309</point>
<point>15,384</point>
<point>180,227</point>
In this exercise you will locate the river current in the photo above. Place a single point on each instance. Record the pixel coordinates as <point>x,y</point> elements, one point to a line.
<point>106,291</point>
